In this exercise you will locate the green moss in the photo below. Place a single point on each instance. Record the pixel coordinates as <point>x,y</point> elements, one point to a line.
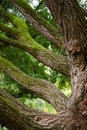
<point>9,103</point>
<point>9,30</point>
<point>41,21</point>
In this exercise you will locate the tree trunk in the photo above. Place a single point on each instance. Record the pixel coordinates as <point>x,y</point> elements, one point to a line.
<point>72,24</point>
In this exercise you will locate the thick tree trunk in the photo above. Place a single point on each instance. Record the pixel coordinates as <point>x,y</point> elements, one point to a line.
<point>71,21</point>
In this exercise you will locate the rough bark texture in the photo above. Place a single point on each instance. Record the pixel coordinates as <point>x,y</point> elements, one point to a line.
<point>71,21</point>
<point>24,118</point>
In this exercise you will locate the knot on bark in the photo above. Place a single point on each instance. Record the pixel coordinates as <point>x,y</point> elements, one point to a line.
<point>73,47</point>
<point>37,118</point>
<point>83,107</point>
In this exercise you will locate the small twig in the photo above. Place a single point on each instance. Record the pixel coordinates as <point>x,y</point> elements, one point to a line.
<point>84,11</point>
<point>39,5</point>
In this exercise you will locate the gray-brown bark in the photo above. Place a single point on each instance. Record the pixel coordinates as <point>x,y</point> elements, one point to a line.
<point>25,118</point>
<point>71,21</point>
<point>19,114</point>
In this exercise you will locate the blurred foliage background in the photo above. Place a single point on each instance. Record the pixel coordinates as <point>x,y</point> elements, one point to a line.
<point>29,64</point>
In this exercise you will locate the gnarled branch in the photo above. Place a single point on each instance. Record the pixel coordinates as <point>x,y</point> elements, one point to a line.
<point>41,88</point>
<point>39,23</point>
<point>25,42</point>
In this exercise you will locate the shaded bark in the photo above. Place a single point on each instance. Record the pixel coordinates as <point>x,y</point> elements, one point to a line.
<point>71,20</point>
<point>20,116</point>
<point>25,118</point>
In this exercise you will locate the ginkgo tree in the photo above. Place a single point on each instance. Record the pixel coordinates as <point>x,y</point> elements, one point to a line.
<point>70,35</point>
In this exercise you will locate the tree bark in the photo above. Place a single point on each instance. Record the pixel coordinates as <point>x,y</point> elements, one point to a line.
<point>72,24</point>
<point>71,21</point>
<point>35,86</point>
<point>25,118</point>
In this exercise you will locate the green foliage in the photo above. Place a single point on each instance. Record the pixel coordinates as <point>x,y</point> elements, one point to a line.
<point>63,83</point>
<point>6,3</point>
<point>83,3</point>
<point>38,103</point>
<point>25,62</point>
<point>3,128</point>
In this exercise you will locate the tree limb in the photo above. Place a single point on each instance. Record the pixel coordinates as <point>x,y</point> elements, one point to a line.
<point>24,41</point>
<point>41,88</point>
<point>39,23</point>
<point>17,116</point>
<point>10,32</point>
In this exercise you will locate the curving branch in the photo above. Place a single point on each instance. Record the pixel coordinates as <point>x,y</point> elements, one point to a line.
<point>41,88</point>
<point>24,41</point>
<point>10,32</point>
<point>55,61</point>
<point>39,23</point>
<point>17,116</point>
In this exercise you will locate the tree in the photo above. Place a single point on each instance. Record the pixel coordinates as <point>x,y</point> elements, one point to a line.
<point>69,35</point>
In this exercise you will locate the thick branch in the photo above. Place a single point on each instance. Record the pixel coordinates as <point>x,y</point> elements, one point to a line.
<point>39,23</point>
<point>41,88</point>
<point>49,58</point>
<point>16,116</point>
<point>12,32</point>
